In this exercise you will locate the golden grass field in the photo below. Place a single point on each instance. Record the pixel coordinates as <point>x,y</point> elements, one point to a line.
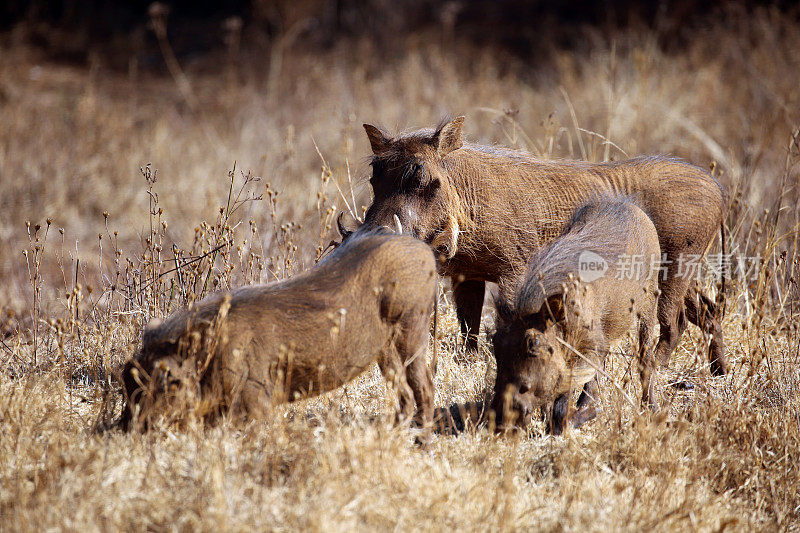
<point>109,178</point>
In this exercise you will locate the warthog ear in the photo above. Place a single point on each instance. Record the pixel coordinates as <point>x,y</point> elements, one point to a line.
<point>448,137</point>
<point>344,232</point>
<point>377,139</point>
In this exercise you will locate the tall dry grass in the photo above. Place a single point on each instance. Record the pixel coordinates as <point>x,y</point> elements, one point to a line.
<point>127,196</point>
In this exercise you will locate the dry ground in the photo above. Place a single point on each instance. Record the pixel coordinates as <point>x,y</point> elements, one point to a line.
<point>111,170</point>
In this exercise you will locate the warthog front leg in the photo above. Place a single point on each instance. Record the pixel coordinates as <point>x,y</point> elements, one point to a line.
<point>559,413</point>
<point>468,297</point>
<point>648,364</point>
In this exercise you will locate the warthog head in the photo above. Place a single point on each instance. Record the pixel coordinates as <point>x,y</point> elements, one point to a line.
<point>411,184</point>
<point>534,366</point>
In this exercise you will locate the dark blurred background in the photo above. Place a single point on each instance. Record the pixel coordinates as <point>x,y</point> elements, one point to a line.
<point>78,30</point>
<point>92,91</point>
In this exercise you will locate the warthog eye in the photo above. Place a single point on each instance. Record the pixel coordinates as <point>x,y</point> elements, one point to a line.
<point>531,344</point>
<point>429,190</point>
<point>530,349</point>
<point>413,175</point>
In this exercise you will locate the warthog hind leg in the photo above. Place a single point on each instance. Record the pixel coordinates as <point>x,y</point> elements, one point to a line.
<point>419,377</point>
<point>412,377</point>
<point>702,312</point>
<point>670,314</point>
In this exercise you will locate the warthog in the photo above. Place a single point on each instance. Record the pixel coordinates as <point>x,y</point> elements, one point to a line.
<point>487,209</point>
<point>369,300</point>
<point>555,328</point>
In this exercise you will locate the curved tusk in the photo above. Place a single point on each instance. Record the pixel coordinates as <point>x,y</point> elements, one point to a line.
<point>342,231</point>
<point>398,225</point>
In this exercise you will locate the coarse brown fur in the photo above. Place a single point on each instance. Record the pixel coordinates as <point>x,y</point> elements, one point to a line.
<point>559,311</point>
<point>487,209</point>
<point>251,348</point>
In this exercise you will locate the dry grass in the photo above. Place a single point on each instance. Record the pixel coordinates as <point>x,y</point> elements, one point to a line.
<point>81,147</point>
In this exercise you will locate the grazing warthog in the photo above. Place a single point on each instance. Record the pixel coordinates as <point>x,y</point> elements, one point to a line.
<point>251,348</point>
<point>554,331</point>
<point>487,209</point>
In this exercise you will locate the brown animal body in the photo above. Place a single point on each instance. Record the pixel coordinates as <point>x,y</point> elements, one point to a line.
<point>370,300</point>
<point>488,209</point>
<point>549,317</point>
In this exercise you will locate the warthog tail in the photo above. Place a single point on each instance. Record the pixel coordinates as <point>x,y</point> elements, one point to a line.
<point>721,294</point>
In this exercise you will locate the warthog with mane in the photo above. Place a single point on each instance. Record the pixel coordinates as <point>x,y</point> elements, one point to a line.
<point>487,209</point>
<point>555,326</point>
<point>251,348</point>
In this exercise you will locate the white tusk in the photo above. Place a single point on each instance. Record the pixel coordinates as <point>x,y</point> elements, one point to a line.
<point>399,226</point>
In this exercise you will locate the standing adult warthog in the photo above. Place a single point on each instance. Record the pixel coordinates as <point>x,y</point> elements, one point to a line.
<point>487,209</point>
<point>253,347</point>
<point>554,331</point>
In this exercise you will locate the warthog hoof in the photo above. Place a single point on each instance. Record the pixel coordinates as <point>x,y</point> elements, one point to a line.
<point>683,384</point>
<point>583,415</point>
<point>719,367</point>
